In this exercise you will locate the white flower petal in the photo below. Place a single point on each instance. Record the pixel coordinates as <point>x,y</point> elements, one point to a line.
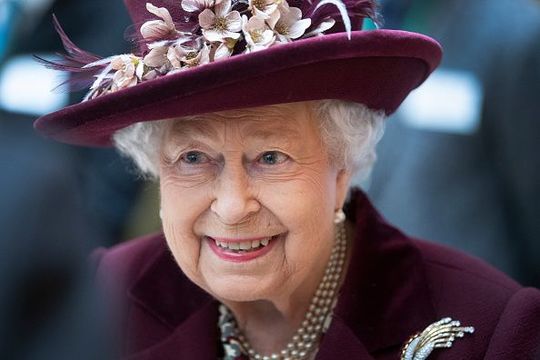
<point>102,75</point>
<point>322,27</point>
<point>222,52</point>
<point>295,13</point>
<point>154,29</point>
<point>117,63</point>
<point>122,81</point>
<point>255,23</point>
<point>162,13</point>
<point>273,18</point>
<point>207,18</point>
<point>260,14</point>
<point>267,37</point>
<point>299,28</point>
<point>326,25</point>
<point>157,57</point>
<point>174,55</point>
<point>230,34</point>
<point>213,35</point>
<point>283,6</point>
<point>139,72</point>
<point>234,21</point>
<point>191,5</point>
<point>204,55</point>
<point>152,74</point>
<point>130,69</point>
<point>222,8</point>
<point>156,44</point>
<point>282,38</point>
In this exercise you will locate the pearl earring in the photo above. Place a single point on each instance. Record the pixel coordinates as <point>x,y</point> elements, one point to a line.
<point>339,216</point>
<point>161,214</point>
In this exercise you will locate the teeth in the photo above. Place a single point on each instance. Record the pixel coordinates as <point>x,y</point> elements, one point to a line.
<point>245,245</point>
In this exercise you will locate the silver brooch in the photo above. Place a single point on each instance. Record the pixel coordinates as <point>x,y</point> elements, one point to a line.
<point>440,334</point>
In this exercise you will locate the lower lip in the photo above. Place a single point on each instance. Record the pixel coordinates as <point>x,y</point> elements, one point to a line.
<point>241,257</point>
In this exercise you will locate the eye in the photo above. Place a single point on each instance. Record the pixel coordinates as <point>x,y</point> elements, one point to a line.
<point>272,158</point>
<point>194,158</point>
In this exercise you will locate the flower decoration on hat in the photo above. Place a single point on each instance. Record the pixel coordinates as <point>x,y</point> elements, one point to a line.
<point>221,24</point>
<point>210,30</point>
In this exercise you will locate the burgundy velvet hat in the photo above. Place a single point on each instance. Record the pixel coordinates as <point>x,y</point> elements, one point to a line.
<point>199,56</point>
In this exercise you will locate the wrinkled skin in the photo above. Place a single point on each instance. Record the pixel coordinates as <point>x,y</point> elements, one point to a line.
<point>250,173</point>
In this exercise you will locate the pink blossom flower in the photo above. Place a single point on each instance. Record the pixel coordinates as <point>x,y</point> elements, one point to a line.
<point>290,24</point>
<point>257,34</point>
<point>266,9</point>
<point>158,29</point>
<point>157,58</point>
<point>223,50</point>
<point>175,54</point>
<point>165,56</point>
<point>221,23</point>
<point>129,71</point>
<point>195,58</point>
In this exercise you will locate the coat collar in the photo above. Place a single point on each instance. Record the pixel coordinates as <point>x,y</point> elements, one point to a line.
<point>385,297</point>
<point>191,315</point>
<point>383,301</point>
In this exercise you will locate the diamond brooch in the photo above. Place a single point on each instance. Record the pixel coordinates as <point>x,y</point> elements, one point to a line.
<point>440,334</point>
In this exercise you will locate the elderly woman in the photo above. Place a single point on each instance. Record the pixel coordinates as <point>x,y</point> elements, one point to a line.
<point>254,117</point>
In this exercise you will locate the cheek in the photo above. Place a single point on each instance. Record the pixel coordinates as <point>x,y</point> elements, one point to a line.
<point>181,207</point>
<point>305,206</point>
<point>302,200</point>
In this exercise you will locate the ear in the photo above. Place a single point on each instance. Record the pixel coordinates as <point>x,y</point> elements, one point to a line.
<point>343,180</point>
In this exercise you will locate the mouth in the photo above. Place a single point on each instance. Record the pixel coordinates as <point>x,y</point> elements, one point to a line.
<point>239,250</point>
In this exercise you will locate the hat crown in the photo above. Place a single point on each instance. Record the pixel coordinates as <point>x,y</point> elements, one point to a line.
<point>175,72</point>
<point>355,10</point>
<point>176,35</point>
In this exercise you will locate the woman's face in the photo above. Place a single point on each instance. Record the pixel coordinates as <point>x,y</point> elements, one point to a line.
<point>248,200</point>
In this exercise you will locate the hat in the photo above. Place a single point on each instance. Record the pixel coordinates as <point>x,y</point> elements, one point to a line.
<point>200,56</point>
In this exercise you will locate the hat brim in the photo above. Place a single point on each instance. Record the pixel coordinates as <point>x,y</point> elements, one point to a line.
<point>377,68</point>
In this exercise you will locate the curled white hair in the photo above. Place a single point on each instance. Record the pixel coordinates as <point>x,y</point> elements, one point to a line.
<point>141,142</point>
<point>350,132</point>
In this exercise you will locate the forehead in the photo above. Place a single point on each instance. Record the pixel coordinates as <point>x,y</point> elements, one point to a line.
<point>291,120</point>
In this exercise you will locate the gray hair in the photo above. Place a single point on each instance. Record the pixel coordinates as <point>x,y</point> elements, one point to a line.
<point>349,130</point>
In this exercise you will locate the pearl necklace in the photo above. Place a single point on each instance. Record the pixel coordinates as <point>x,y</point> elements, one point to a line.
<point>316,321</point>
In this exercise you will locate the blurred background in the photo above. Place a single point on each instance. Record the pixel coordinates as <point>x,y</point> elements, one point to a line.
<point>58,202</point>
<point>459,163</point>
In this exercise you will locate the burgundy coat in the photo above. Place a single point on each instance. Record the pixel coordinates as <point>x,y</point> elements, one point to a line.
<point>395,286</point>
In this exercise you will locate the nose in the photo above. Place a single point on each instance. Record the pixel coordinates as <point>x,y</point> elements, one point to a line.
<point>234,199</point>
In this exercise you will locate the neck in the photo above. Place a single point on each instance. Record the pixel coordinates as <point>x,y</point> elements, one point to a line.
<point>269,325</point>
<point>279,316</point>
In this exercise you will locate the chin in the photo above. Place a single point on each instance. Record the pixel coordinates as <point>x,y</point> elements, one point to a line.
<point>240,288</point>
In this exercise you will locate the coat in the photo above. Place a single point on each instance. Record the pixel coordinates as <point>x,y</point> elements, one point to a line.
<point>395,286</point>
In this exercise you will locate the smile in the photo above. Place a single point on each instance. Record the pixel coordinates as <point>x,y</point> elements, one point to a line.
<point>244,246</point>
<point>240,250</point>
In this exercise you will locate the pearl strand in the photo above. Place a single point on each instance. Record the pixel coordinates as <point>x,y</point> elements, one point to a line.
<point>319,315</point>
